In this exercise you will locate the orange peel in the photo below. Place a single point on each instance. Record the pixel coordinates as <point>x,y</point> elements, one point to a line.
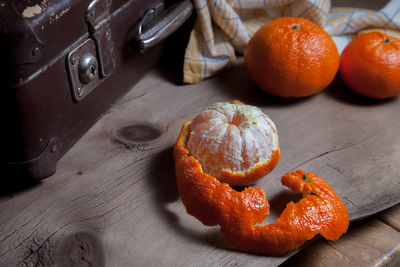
<point>239,214</point>
<point>209,200</point>
<point>320,211</point>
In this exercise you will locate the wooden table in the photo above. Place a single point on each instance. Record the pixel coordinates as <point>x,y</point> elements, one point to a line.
<point>371,242</point>
<point>114,202</point>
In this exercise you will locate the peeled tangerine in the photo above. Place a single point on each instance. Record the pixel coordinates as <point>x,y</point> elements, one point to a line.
<point>235,143</point>
<point>238,144</point>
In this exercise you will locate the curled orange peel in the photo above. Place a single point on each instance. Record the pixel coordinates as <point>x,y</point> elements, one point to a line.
<point>320,211</point>
<point>239,214</point>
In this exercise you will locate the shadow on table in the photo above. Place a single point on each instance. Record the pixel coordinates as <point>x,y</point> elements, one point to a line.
<point>172,59</point>
<point>339,91</point>
<point>13,182</point>
<point>235,83</point>
<point>279,202</point>
<point>165,192</point>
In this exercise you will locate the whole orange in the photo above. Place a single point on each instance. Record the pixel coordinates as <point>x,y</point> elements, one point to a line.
<point>291,57</point>
<point>370,65</point>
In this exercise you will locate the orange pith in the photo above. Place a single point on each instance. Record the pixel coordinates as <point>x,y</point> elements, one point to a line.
<point>236,143</point>
<point>291,57</point>
<point>239,213</point>
<point>370,65</point>
<point>205,197</point>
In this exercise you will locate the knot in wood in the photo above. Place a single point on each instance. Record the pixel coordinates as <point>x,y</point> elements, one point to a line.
<point>139,133</point>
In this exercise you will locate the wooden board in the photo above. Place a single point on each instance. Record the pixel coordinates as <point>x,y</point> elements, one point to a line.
<point>391,217</point>
<point>368,243</point>
<point>114,202</point>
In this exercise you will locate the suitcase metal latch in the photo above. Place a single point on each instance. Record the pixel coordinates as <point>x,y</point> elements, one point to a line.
<point>82,68</point>
<point>95,58</point>
<point>98,18</point>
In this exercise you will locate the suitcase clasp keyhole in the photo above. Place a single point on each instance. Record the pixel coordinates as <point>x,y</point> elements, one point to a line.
<point>87,69</point>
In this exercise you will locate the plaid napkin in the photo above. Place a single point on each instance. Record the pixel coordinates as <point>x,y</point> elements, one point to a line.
<point>223,27</point>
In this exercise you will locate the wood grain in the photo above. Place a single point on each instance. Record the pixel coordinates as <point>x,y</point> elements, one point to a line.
<point>391,217</point>
<point>367,243</point>
<point>113,200</point>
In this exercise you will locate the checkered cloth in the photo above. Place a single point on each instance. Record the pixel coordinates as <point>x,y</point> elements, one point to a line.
<point>223,27</point>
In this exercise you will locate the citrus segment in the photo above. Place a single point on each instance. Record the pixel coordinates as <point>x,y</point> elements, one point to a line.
<point>238,144</point>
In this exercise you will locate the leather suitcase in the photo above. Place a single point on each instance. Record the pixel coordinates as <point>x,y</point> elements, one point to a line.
<point>64,63</point>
